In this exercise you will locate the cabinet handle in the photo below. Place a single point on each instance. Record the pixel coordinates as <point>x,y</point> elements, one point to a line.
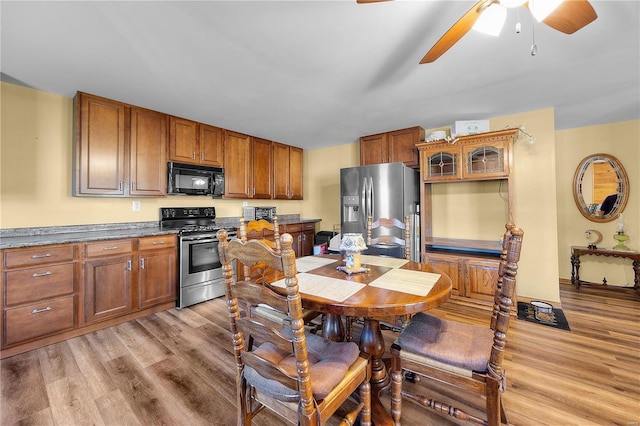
<point>142,263</point>
<point>37,311</point>
<point>40,256</point>
<point>158,242</point>
<point>194,155</point>
<point>110,248</point>
<point>202,156</point>
<point>120,185</point>
<point>44,274</point>
<point>129,265</point>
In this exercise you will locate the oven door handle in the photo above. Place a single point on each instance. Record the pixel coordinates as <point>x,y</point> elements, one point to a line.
<point>200,240</point>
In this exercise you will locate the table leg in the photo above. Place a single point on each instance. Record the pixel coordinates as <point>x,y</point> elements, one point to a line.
<point>332,328</point>
<point>372,343</point>
<point>575,271</point>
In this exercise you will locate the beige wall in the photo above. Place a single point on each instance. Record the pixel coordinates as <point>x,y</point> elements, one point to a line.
<point>36,165</point>
<point>622,140</point>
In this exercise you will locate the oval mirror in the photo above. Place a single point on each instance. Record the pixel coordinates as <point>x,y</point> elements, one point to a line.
<point>601,187</point>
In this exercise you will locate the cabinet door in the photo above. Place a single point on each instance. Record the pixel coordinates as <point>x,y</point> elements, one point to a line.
<point>281,171</point>
<point>402,146</point>
<point>211,145</point>
<point>374,149</point>
<point>441,164</point>
<point>481,277</point>
<point>100,146</point>
<point>108,287</point>
<point>237,165</point>
<point>451,266</point>
<point>183,140</point>
<point>485,161</point>
<point>262,168</point>
<point>147,159</point>
<point>295,173</point>
<point>306,243</point>
<point>157,277</point>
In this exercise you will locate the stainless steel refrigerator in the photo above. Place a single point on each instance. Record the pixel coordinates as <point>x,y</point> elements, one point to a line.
<point>382,190</point>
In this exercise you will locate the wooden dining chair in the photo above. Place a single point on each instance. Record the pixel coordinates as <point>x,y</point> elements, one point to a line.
<point>299,376</point>
<point>269,233</point>
<point>457,354</point>
<point>385,225</point>
<point>262,230</point>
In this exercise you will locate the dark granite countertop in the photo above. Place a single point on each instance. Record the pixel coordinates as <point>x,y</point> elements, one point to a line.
<point>33,237</point>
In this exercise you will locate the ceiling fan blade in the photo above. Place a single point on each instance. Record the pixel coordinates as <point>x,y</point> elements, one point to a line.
<point>571,15</point>
<point>457,31</point>
<point>370,1</point>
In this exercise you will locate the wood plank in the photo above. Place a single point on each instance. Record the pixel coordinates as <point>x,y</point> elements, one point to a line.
<point>23,387</point>
<point>71,402</point>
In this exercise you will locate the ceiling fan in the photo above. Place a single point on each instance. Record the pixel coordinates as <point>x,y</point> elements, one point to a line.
<point>566,16</point>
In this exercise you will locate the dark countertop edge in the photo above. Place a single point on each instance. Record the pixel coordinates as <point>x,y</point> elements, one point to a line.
<point>33,237</point>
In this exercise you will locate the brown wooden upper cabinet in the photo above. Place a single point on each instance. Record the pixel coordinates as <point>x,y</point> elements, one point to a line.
<point>195,143</point>
<point>120,150</point>
<point>248,166</point>
<point>287,172</point>
<point>391,147</point>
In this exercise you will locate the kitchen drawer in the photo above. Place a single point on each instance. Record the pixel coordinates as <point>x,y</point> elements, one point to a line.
<point>159,242</point>
<point>37,256</point>
<point>38,319</point>
<point>309,226</point>
<point>29,285</point>
<point>296,227</point>
<point>108,248</point>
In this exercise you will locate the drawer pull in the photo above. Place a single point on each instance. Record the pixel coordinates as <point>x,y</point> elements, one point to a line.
<point>44,274</point>
<point>158,242</point>
<point>37,311</point>
<point>142,263</point>
<point>110,248</point>
<point>40,256</point>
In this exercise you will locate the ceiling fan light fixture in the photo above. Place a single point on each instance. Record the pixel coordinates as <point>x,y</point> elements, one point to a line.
<point>491,20</point>
<point>540,9</point>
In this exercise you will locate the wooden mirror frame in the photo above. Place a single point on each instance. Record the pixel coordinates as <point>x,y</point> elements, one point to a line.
<point>623,187</point>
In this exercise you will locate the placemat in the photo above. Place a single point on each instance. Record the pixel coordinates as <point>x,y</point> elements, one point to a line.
<point>325,287</point>
<point>307,263</point>
<point>406,281</point>
<point>389,262</point>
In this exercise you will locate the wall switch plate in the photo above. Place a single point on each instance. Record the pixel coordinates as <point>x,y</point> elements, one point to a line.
<point>136,206</point>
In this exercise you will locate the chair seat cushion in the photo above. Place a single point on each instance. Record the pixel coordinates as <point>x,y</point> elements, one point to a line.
<point>464,346</point>
<point>329,363</point>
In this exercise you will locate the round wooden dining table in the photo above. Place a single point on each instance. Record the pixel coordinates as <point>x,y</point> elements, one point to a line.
<point>372,303</point>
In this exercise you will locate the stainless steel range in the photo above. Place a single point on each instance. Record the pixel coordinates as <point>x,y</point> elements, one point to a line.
<point>200,267</point>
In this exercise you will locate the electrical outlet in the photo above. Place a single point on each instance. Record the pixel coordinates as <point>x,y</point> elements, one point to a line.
<point>244,204</point>
<point>136,206</point>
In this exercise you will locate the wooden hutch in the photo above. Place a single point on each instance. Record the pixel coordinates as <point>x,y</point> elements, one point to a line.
<point>472,264</point>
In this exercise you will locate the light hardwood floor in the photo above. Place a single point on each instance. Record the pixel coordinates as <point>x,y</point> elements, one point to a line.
<point>176,368</point>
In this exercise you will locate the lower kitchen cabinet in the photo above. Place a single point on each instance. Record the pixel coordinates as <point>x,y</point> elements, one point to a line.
<point>38,293</point>
<point>51,293</point>
<point>474,277</point>
<point>303,235</point>
<point>108,279</point>
<point>157,273</point>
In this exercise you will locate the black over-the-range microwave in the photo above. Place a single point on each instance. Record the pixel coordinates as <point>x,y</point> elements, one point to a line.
<point>193,179</point>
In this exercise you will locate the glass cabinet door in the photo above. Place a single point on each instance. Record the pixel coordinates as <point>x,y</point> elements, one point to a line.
<point>486,161</point>
<point>442,165</point>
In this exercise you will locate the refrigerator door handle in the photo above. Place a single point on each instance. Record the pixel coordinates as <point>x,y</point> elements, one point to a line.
<point>370,198</point>
<point>363,202</point>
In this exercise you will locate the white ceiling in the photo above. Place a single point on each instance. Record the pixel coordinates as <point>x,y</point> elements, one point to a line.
<point>323,73</point>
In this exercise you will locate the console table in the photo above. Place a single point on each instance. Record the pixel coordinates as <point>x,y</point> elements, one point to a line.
<point>577,251</point>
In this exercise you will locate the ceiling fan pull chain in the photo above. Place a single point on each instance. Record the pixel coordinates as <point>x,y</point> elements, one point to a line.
<point>518,25</point>
<point>534,48</point>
